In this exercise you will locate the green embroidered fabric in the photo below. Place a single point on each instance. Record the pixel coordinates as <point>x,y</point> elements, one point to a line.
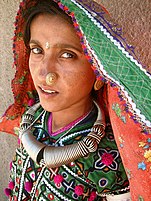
<point>119,66</point>
<point>101,172</point>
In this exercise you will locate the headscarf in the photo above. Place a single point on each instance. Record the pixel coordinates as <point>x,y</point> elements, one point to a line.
<point>127,92</point>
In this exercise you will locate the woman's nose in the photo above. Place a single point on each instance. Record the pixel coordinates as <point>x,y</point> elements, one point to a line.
<point>48,71</point>
<point>46,66</point>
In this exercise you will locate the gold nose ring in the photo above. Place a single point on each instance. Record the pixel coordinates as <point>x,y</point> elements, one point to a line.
<point>51,78</point>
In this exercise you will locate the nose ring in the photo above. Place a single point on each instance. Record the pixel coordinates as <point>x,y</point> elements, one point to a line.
<point>51,78</point>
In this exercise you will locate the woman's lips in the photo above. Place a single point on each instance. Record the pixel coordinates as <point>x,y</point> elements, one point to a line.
<point>48,91</point>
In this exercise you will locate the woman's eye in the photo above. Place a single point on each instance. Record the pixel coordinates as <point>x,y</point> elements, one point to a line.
<point>36,50</point>
<point>67,55</point>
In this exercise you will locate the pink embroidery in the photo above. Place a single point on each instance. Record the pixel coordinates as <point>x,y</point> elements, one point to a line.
<point>10,165</point>
<point>107,159</point>
<point>31,102</point>
<point>28,186</point>
<point>11,185</point>
<point>7,191</point>
<point>19,142</point>
<point>92,196</point>
<point>58,179</point>
<point>79,190</point>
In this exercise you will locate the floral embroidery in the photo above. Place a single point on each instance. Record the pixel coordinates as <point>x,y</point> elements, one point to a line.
<point>118,112</point>
<point>117,109</point>
<point>121,142</point>
<point>142,144</point>
<point>147,152</point>
<point>142,166</point>
<point>19,36</point>
<point>107,159</point>
<point>147,155</point>
<point>32,94</point>
<point>146,144</point>
<point>22,78</point>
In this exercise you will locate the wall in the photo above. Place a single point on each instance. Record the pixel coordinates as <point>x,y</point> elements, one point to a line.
<point>133,15</point>
<point>8,8</point>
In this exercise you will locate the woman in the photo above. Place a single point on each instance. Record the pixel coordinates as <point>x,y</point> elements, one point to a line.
<point>74,84</point>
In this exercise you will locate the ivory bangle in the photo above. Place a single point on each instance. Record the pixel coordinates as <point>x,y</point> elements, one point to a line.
<point>55,157</point>
<point>31,145</point>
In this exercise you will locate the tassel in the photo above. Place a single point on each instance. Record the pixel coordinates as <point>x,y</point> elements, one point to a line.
<point>79,190</point>
<point>58,179</point>
<point>11,185</point>
<point>28,186</point>
<point>7,192</point>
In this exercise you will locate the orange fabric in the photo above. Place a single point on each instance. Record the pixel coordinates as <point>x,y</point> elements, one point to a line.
<point>10,125</point>
<point>130,139</point>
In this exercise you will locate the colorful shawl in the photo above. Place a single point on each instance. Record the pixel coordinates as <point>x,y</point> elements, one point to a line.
<point>127,96</point>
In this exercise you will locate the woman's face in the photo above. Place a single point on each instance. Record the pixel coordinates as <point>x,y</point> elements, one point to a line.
<point>65,58</point>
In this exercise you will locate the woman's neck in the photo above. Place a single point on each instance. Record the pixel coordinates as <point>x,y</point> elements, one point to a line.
<point>64,117</point>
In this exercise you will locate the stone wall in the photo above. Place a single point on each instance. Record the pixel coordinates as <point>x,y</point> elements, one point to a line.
<point>132,15</point>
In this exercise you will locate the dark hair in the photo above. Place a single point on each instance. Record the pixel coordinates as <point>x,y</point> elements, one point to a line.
<point>40,7</point>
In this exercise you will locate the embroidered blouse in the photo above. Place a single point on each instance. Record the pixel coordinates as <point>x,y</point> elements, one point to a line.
<point>101,172</point>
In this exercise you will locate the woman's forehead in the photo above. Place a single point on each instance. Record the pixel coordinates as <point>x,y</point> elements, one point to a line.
<point>55,30</point>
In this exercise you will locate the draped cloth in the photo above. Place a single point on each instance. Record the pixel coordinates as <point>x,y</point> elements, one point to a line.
<point>126,93</point>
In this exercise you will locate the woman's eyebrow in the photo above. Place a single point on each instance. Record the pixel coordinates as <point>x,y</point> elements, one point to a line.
<point>60,45</point>
<point>35,42</point>
<point>70,46</point>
